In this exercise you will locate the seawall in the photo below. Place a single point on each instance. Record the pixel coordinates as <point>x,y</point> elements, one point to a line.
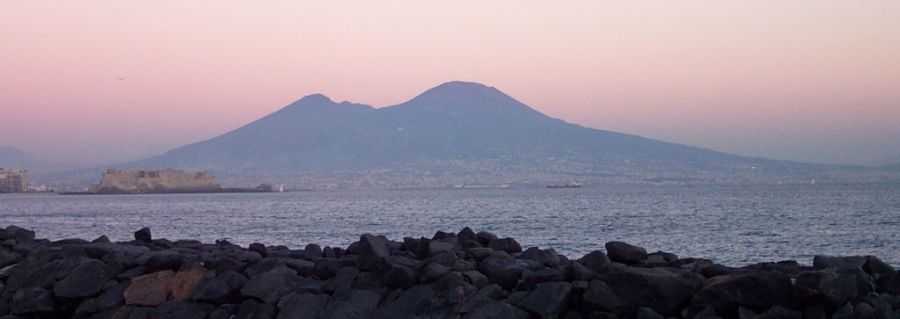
<point>451,275</point>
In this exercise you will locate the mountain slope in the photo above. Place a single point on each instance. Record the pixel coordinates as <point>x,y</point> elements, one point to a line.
<point>458,131</point>
<point>14,158</point>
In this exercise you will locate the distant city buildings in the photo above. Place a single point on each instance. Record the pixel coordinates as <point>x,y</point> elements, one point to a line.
<point>13,181</point>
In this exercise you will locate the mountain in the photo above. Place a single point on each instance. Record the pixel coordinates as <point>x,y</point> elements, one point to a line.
<point>458,132</point>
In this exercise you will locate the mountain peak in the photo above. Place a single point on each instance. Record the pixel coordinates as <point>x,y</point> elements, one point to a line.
<point>461,88</point>
<point>313,100</point>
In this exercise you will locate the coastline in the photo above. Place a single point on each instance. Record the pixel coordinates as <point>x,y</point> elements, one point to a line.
<point>450,275</point>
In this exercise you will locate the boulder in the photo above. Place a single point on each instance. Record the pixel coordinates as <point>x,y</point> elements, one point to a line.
<point>85,280</point>
<point>647,313</point>
<point>150,289</point>
<point>143,235</point>
<point>185,309</point>
<point>223,288</point>
<point>595,260</point>
<point>779,312</point>
<point>313,250</point>
<point>259,248</point>
<point>504,271</point>
<point>497,309</point>
<point>485,238</point>
<point>824,261</point>
<point>507,244</point>
<point>755,290</point>
<point>600,297</point>
<point>272,285</point>
<point>877,268</point>
<point>625,253</point>
<point>111,298</point>
<point>253,309</point>
<point>432,272</point>
<point>373,251</point>
<point>301,305</point>
<point>186,280</point>
<point>665,290</point>
<point>351,304</point>
<point>832,286</point>
<point>417,302</point>
<point>546,257</point>
<point>547,300</point>
<point>32,300</point>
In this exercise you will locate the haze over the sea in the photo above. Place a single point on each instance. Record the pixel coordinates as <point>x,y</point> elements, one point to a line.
<point>815,81</point>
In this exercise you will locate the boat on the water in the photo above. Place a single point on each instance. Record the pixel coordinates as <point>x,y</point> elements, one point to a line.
<point>571,184</point>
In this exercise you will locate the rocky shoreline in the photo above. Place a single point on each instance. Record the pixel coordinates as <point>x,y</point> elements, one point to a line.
<point>451,275</point>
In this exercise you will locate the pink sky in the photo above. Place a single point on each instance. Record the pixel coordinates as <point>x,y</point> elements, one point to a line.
<point>803,80</point>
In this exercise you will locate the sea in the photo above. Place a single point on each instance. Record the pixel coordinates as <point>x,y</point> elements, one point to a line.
<point>732,225</point>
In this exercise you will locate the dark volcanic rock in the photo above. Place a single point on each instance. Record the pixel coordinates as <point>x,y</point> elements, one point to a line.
<point>665,290</point>
<point>32,300</point>
<point>833,286</point>
<point>373,252</point>
<point>223,288</point>
<point>301,306</point>
<point>595,260</point>
<point>496,309</point>
<point>351,304</point>
<point>823,261</point>
<point>547,300</point>
<point>143,235</point>
<point>271,286</point>
<point>625,253</point>
<point>756,290</point>
<point>508,245</point>
<point>85,280</point>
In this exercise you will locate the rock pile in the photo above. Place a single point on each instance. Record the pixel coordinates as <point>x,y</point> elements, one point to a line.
<point>451,275</point>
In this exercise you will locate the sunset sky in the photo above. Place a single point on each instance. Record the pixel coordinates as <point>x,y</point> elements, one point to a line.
<point>807,80</point>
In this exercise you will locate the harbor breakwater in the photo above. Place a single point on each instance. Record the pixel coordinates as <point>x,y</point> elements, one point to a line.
<point>451,275</point>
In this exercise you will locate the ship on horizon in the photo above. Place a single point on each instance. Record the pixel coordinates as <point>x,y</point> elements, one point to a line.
<point>570,184</point>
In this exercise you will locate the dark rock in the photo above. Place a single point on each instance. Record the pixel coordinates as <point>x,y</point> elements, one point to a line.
<point>864,311</point>
<point>432,272</point>
<point>301,306</point>
<point>485,238</point>
<point>507,244</point>
<point>417,302</point>
<point>400,276</point>
<point>85,280</point>
<point>259,248</point>
<point>163,260</point>
<point>343,279</point>
<point>111,298</point>
<point>479,253</point>
<point>482,296</point>
<point>625,253</point>
<point>272,285</point>
<point>313,250</point>
<point>877,268</point>
<point>824,261</point>
<point>496,309</point>
<point>600,297</point>
<point>32,300</point>
<point>661,258</point>
<point>8,258</point>
<point>476,278</point>
<point>101,240</point>
<point>466,234</point>
<point>150,289</point>
<point>547,300</point>
<point>833,286</point>
<point>352,304</point>
<point>252,309</point>
<point>546,257</point>
<point>577,271</point>
<point>464,265</point>
<point>182,309</point>
<point>436,247</point>
<point>530,278</point>
<point>844,312</point>
<point>221,289</point>
<point>143,235</point>
<point>778,312</point>
<point>595,260</point>
<point>647,313</point>
<point>815,312</point>
<point>21,235</point>
<point>665,290</point>
<point>504,271</point>
<point>373,252</point>
<point>757,290</point>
